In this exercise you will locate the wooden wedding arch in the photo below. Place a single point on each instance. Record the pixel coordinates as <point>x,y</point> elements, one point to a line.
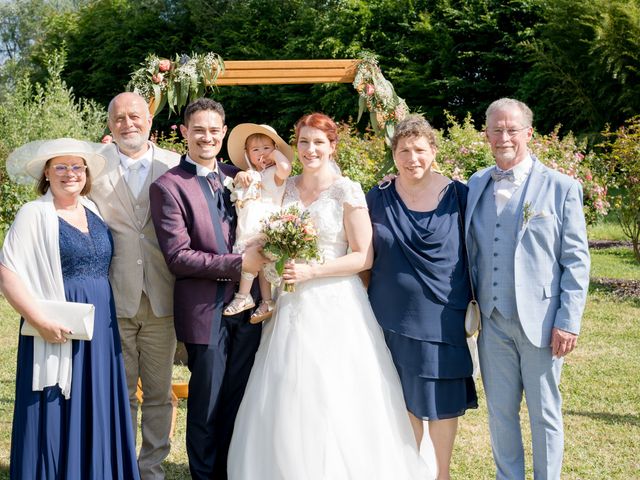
<point>376,95</point>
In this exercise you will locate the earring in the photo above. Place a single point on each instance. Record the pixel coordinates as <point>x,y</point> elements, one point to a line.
<point>46,179</point>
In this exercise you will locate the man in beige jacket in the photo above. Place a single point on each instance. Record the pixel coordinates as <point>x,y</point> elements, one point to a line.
<point>142,285</point>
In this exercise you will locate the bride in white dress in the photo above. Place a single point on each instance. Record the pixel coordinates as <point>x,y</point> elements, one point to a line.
<point>324,400</point>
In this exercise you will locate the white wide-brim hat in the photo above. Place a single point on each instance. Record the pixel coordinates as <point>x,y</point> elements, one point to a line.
<point>238,137</point>
<point>27,162</point>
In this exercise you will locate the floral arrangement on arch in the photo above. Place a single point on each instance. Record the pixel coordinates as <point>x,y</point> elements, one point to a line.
<point>378,96</point>
<point>175,82</point>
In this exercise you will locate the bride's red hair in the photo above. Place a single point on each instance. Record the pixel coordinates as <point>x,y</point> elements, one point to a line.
<point>321,122</point>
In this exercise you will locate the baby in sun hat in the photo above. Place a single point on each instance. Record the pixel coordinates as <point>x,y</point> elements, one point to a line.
<point>266,160</point>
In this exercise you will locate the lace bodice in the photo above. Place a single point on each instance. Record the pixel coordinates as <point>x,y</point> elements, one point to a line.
<point>327,212</point>
<point>85,255</point>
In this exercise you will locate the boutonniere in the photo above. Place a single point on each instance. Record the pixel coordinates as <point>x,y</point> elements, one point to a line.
<point>229,185</point>
<point>527,213</point>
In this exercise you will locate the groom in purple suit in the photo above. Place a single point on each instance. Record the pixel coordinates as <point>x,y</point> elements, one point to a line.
<point>195,224</point>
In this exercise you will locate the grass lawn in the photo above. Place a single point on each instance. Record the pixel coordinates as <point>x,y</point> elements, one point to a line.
<point>601,387</point>
<point>606,229</point>
<point>617,262</point>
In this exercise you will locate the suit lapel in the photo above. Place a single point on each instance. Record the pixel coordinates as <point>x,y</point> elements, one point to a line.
<point>535,184</point>
<point>117,181</point>
<point>473,198</point>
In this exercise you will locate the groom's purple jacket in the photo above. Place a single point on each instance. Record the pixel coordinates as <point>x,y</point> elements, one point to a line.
<point>185,230</point>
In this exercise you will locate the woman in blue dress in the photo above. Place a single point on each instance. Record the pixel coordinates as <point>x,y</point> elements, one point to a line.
<point>419,286</point>
<point>71,416</point>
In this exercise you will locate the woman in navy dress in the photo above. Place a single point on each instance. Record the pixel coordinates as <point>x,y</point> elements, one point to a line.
<point>419,286</point>
<point>71,417</point>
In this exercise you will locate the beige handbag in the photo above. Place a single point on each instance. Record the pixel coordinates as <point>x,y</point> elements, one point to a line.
<point>77,317</point>
<point>472,317</point>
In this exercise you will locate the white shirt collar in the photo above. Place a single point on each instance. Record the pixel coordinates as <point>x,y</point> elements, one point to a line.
<point>201,170</point>
<point>522,169</point>
<point>145,160</point>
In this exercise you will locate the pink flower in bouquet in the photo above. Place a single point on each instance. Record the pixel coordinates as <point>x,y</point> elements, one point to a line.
<point>157,78</point>
<point>164,65</point>
<point>588,176</point>
<point>107,139</point>
<point>369,89</point>
<point>289,235</point>
<point>310,231</point>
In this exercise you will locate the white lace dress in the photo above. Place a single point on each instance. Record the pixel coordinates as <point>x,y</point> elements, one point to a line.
<point>324,400</point>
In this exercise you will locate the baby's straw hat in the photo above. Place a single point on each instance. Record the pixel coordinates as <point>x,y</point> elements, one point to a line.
<point>239,135</point>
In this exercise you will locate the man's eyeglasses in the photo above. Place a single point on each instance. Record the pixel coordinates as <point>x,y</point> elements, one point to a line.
<point>511,132</point>
<point>61,169</point>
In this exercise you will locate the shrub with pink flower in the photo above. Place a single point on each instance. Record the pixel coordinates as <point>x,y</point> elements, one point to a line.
<point>290,234</point>
<point>463,150</point>
<point>571,157</point>
<point>622,155</point>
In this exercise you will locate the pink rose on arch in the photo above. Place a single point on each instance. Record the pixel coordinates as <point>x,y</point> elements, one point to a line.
<point>164,65</point>
<point>369,89</point>
<point>107,139</point>
<point>157,78</point>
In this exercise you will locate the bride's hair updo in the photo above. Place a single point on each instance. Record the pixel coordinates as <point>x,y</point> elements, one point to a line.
<point>321,122</point>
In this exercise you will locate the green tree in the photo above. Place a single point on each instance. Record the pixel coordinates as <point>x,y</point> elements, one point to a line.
<point>20,22</point>
<point>106,40</point>
<point>36,112</point>
<point>584,69</point>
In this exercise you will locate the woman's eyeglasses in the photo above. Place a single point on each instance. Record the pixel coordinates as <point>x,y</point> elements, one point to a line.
<point>61,169</point>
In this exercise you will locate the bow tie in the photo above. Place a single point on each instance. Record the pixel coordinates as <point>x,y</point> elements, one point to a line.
<point>498,175</point>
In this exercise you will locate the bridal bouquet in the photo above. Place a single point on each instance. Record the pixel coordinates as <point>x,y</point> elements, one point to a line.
<point>289,234</point>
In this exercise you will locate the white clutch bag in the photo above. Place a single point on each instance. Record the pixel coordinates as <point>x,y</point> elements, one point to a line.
<point>77,317</point>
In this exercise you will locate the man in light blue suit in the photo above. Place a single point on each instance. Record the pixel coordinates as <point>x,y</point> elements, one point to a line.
<point>527,242</point>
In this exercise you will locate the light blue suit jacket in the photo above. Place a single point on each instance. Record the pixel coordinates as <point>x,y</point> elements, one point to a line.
<point>551,256</point>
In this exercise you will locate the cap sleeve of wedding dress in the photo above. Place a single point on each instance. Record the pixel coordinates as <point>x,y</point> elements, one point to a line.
<point>324,401</point>
<point>350,192</point>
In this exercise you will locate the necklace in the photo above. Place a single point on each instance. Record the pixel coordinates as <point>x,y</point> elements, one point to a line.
<point>413,198</point>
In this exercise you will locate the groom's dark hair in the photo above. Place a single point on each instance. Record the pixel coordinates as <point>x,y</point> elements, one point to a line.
<point>202,104</point>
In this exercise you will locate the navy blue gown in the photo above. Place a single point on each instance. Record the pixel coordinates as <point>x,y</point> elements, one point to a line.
<point>88,436</point>
<point>419,291</point>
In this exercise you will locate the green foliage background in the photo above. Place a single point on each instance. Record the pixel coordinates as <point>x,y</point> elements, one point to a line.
<point>38,112</point>
<point>574,62</point>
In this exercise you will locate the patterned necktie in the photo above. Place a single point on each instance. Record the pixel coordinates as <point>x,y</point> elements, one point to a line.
<point>218,194</point>
<point>134,178</point>
<point>498,175</point>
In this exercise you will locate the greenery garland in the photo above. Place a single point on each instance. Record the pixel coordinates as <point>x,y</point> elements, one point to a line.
<point>378,96</point>
<point>162,81</point>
